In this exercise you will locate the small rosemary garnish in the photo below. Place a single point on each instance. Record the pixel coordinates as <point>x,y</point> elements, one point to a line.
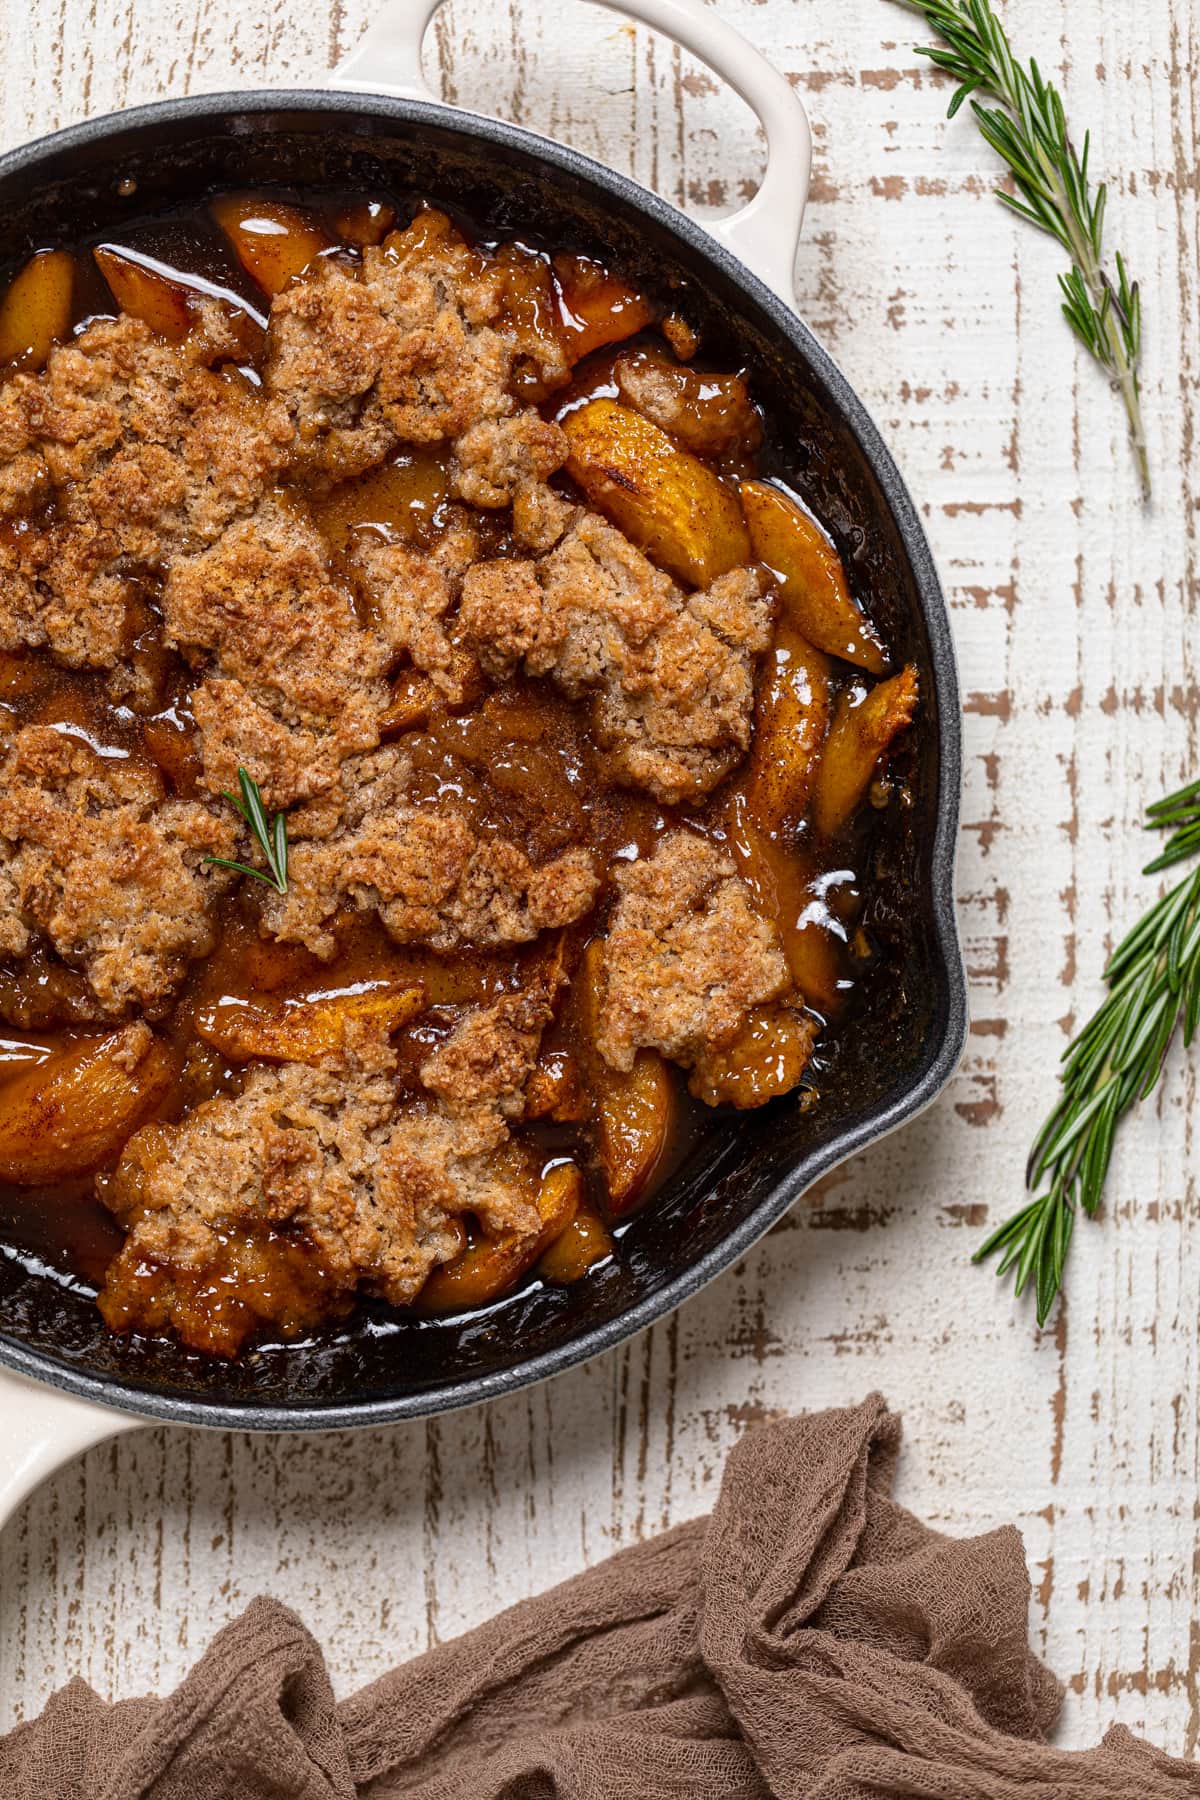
<point>1029,131</point>
<point>271,839</point>
<point>1154,983</point>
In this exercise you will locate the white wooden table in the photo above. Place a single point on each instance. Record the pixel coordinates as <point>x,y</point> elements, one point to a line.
<point>1074,613</point>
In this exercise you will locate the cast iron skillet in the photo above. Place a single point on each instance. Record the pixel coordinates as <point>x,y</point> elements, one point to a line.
<point>909,1035</point>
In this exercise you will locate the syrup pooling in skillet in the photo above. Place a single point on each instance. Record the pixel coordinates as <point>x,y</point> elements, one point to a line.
<point>463,556</point>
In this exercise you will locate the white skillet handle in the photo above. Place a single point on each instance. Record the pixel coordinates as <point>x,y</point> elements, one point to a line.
<point>40,1430</point>
<point>766,231</point>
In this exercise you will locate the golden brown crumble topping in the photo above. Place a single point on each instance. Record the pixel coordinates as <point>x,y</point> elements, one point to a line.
<point>539,709</point>
<point>106,868</point>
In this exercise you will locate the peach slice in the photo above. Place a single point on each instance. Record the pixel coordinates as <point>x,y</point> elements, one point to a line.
<point>812,579</point>
<point>864,727</point>
<point>35,313</point>
<point>274,242</point>
<point>586,1241</point>
<point>781,880</point>
<point>596,308</point>
<point>305,1030</point>
<point>707,414</point>
<point>490,1266</point>
<point>672,505</point>
<point>145,293</point>
<point>632,1114</point>
<point>365,222</point>
<point>791,722</point>
<point>75,1111</point>
<point>555,1089</point>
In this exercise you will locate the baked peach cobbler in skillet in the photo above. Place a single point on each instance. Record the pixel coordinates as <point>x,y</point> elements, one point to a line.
<point>435,763</point>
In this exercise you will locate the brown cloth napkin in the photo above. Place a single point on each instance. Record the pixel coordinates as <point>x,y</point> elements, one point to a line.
<point>810,1639</point>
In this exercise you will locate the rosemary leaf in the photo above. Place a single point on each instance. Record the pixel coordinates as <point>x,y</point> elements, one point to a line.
<point>270,838</point>
<point>1117,1060</point>
<point>1027,128</point>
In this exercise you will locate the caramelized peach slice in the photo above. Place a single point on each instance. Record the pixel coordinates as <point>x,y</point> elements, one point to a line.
<point>305,1031</point>
<point>864,727</point>
<point>549,968</point>
<point>708,414</point>
<point>595,307</point>
<point>781,882</point>
<point>812,580</point>
<point>531,311</point>
<point>555,1089</point>
<point>249,965</point>
<point>273,242</point>
<point>682,336</point>
<point>670,504</point>
<point>487,1268</point>
<point>632,1114</point>
<point>414,697</point>
<point>145,293</point>
<point>766,1060</point>
<point>586,1241</point>
<point>36,311</point>
<point>365,222</point>
<point>74,1112</point>
<point>791,720</point>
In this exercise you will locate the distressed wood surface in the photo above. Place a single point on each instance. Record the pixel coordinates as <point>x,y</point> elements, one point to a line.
<point>1074,616</point>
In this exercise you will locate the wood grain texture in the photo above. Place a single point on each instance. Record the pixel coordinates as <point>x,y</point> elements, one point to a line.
<point>1075,618</point>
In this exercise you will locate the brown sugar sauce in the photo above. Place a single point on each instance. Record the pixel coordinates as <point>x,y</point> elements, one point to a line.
<point>518,755</point>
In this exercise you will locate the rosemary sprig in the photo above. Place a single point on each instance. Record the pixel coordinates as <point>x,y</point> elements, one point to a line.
<point>271,839</point>
<point>1153,980</point>
<point>1028,129</point>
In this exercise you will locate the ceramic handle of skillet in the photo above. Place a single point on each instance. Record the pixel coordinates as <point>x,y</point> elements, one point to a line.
<point>766,231</point>
<point>42,1428</point>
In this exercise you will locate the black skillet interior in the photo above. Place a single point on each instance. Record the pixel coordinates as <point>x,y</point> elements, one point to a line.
<point>909,1033</point>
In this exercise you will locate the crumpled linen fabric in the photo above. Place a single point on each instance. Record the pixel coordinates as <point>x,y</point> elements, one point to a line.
<point>809,1641</point>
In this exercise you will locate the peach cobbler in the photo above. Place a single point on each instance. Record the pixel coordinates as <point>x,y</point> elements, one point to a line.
<point>434,743</point>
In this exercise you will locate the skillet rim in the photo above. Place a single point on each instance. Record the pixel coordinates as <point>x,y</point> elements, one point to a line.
<point>926,1084</point>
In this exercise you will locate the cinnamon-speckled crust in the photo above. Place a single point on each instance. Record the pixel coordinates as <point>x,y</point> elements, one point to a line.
<point>150,453</point>
<point>681,715</point>
<point>306,1152</point>
<point>496,459</point>
<point>374,1190</point>
<point>24,477</point>
<point>430,876</point>
<point>440,378</point>
<point>673,675</point>
<point>487,1060</point>
<point>110,872</point>
<point>504,617</point>
<point>414,347</point>
<point>410,593</point>
<point>540,516</point>
<point>328,339</point>
<point>145,451</point>
<point>296,682</point>
<point>60,590</point>
<point>687,955</point>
